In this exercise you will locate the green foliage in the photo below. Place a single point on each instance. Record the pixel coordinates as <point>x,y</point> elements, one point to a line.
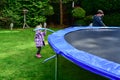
<point>88,19</point>
<point>85,21</point>
<point>78,12</point>
<point>79,22</point>
<point>91,6</point>
<point>9,14</point>
<point>64,1</point>
<point>37,11</point>
<point>2,4</point>
<point>112,19</point>
<point>12,15</point>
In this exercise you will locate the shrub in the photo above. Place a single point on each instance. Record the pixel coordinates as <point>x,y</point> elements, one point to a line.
<point>78,12</point>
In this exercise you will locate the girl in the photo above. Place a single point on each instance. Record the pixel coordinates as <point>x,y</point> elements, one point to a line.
<point>39,39</point>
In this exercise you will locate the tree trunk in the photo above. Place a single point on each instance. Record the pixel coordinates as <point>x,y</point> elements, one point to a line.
<point>61,13</point>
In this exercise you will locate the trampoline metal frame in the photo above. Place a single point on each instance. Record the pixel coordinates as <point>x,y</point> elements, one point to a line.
<point>56,64</point>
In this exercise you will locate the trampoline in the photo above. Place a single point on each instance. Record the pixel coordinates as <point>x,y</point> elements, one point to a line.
<point>93,48</point>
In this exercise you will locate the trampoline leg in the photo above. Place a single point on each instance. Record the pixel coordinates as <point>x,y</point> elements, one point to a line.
<point>56,67</point>
<point>49,58</point>
<point>56,64</point>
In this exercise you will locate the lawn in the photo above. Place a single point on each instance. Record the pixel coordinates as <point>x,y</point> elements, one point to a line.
<point>18,61</point>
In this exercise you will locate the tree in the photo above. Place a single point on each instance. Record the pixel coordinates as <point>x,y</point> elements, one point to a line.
<point>61,2</point>
<point>2,4</point>
<point>61,13</point>
<point>37,11</point>
<point>91,6</point>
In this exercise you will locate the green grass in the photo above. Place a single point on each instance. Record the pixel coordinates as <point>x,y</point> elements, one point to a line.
<point>18,61</point>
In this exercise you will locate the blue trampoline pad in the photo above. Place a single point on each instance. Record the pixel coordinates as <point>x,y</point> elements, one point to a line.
<point>96,49</point>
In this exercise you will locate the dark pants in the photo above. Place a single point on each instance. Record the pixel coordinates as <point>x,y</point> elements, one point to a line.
<point>39,49</point>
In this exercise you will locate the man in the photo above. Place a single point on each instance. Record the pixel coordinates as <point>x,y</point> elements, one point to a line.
<point>97,19</point>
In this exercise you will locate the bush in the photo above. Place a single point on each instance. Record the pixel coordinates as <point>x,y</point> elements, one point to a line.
<point>78,12</point>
